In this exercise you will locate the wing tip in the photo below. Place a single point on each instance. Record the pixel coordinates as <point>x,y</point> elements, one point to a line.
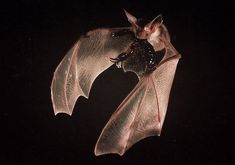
<point>99,150</point>
<point>57,112</point>
<point>99,153</point>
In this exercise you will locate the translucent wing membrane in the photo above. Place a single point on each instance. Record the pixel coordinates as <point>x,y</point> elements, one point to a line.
<point>89,57</point>
<point>143,111</point>
<point>141,114</point>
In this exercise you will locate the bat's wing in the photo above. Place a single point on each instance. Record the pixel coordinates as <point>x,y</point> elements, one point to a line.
<point>89,57</point>
<point>143,111</point>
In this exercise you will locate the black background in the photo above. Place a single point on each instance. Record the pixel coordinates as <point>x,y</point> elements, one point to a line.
<point>198,128</point>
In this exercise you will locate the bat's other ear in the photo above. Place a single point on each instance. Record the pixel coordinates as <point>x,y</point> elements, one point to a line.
<point>131,19</point>
<point>157,21</point>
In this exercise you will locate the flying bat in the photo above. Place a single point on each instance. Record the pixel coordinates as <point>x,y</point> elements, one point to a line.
<point>143,48</point>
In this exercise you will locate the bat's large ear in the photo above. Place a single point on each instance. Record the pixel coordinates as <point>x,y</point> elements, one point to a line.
<point>157,21</point>
<point>131,19</point>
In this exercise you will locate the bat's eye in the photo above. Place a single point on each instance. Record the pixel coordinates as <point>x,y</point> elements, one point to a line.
<point>147,29</point>
<point>142,34</point>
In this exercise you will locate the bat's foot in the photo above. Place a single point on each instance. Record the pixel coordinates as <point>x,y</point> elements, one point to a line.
<point>118,61</point>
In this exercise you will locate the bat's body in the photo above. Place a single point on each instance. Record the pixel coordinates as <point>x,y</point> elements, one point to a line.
<point>141,58</point>
<point>137,49</point>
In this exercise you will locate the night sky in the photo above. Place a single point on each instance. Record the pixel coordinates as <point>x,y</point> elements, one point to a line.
<point>199,125</point>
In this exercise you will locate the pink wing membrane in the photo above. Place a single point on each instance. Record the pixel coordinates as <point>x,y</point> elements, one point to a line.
<point>132,121</point>
<point>143,111</point>
<point>76,73</point>
<point>64,92</point>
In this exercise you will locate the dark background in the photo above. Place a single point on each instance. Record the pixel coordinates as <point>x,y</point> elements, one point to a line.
<point>198,128</point>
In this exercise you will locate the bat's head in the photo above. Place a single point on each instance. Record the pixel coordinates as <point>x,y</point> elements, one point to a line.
<point>150,30</point>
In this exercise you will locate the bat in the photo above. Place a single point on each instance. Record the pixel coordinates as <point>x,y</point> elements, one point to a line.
<point>143,48</point>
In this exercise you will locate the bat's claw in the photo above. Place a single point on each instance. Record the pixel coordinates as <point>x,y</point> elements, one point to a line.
<point>114,60</point>
<point>117,62</point>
